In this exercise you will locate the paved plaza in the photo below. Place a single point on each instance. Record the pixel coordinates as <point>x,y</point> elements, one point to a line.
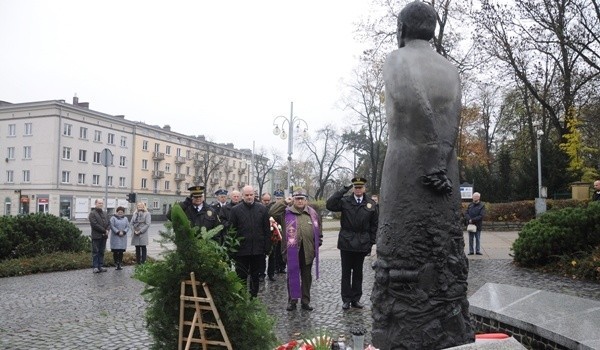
<point>78,309</point>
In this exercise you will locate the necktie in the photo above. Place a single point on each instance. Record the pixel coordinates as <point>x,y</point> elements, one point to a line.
<point>358,201</point>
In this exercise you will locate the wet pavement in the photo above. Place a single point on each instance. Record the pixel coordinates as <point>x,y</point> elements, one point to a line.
<point>78,309</point>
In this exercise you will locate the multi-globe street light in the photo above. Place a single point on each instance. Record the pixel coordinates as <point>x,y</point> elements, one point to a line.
<point>277,130</point>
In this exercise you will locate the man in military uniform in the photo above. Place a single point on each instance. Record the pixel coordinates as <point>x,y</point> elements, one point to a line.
<point>356,238</point>
<point>199,213</point>
<point>221,200</point>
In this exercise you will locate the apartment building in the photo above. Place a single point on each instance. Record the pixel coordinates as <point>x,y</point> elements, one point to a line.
<point>60,157</point>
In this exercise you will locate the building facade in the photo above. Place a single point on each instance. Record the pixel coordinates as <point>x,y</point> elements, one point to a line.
<point>60,157</point>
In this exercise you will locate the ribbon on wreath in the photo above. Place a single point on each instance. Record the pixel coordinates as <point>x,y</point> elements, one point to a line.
<point>293,248</point>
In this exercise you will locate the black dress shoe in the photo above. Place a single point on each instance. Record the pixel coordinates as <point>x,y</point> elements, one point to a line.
<point>307,307</point>
<point>271,278</point>
<point>470,254</point>
<point>478,253</point>
<point>357,304</point>
<point>346,305</point>
<point>292,307</point>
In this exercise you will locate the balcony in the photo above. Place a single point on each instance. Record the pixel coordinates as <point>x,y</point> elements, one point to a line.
<point>242,171</point>
<point>197,179</point>
<point>229,183</point>
<point>214,181</point>
<point>180,160</point>
<point>157,174</point>
<point>158,156</point>
<point>227,169</point>
<point>179,177</point>
<point>241,184</point>
<point>198,162</point>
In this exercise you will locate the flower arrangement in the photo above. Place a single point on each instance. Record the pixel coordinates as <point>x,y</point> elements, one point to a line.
<point>275,230</point>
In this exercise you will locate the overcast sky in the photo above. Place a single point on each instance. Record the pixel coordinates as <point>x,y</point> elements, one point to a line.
<point>223,69</point>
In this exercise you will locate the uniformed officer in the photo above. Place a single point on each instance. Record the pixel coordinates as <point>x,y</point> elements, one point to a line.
<point>221,200</point>
<point>199,213</point>
<point>356,238</point>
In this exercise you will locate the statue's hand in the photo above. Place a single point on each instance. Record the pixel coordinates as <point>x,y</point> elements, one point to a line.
<point>439,182</point>
<point>347,188</point>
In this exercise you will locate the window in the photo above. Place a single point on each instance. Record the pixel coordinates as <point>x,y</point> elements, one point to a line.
<point>26,176</point>
<point>121,181</point>
<point>167,185</point>
<point>83,133</point>
<point>155,205</point>
<point>26,152</point>
<point>67,129</point>
<point>145,145</point>
<point>66,153</point>
<point>97,136</point>
<point>66,177</point>
<point>123,141</point>
<point>122,161</point>
<point>111,139</point>
<point>28,129</point>
<point>168,149</point>
<point>95,179</point>
<point>10,176</point>
<point>144,164</point>
<point>82,155</point>
<point>187,170</point>
<point>10,152</point>
<point>188,154</point>
<point>109,181</point>
<point>96,158</point>
<point>12,129</point>
<point>81,179</point>
<point>167,167</point>
<point>144,183</point>
<point>178,152</point>
<point>157,147</point>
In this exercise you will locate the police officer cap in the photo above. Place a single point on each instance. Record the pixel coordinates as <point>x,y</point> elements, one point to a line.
<point>221,192</point>
<point>359,181</point>
<point>196,190</point>
<point>278,193</point>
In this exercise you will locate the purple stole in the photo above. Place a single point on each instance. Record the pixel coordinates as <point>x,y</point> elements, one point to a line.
<point>293,249</point>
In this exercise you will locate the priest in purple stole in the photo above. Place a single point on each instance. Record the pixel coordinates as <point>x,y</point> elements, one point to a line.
<point>302,237</point>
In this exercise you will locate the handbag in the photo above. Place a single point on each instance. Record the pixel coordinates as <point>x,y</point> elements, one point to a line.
<point>471,228</point>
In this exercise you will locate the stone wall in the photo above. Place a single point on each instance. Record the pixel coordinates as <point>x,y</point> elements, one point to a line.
<point>527,339</point>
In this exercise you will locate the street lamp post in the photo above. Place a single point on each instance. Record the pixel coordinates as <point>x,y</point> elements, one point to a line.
<point>290,135</point>
<point>540,201</point>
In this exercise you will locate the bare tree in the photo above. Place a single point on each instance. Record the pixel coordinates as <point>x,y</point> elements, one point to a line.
<point>206,165</point>
<point>326,150</point>
<point>366,100</point>
<point>263,166</point>
<point>587,43</point>
<point>531,41</point>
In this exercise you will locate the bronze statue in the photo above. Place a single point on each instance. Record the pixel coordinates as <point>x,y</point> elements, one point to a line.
<point>420,291</point>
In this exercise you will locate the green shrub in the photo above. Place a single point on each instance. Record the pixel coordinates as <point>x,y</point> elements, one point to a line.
<point>523,211</point>
<point>38,234</point>
<point>557,233</point>
<point>246,321</point>
<point>59,261</point>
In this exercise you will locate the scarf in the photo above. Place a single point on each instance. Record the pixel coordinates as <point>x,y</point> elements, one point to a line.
<point>293,248</point>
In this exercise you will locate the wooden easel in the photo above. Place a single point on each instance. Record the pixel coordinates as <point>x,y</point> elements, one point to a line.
<point>201,305</point>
